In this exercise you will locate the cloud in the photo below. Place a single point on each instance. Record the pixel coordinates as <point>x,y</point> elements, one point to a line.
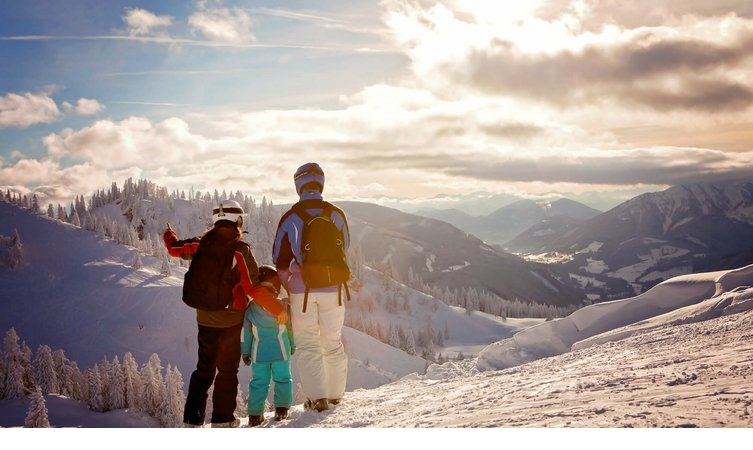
<point>141,22</point>
<point>24,110</point>
<point>52,182</point>
<point>132,141</point>
<point>222,25</point>
<point>84,107</point>
<point>697,63</point>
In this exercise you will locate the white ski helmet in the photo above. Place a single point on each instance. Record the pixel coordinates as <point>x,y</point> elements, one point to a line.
<point>228,210</point>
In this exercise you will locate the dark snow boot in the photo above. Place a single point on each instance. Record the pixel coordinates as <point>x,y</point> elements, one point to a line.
<point>255,421</point>
<point>281,413</point>
<point>334,401</point>
<point>317,405</point>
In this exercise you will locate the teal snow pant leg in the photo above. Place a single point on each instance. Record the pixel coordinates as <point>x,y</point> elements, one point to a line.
<point>283,384</point>
<point>258,388</point>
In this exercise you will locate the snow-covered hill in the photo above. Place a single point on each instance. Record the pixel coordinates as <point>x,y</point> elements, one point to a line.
<point>678,355</point>
<point>688,367</point>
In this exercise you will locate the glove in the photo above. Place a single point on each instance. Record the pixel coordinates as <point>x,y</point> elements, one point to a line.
<point>169,236</point>
<point>247,360</point>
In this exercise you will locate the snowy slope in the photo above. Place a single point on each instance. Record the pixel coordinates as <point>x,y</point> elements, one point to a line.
<point>685,361</point>
<point>680,355</point>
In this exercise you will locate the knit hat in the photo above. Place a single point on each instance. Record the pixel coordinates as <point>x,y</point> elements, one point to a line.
<point>306,174</point>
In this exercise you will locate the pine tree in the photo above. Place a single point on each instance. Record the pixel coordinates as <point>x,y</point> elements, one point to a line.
<point>14,254</point>
<point>13,384</point>
<point>62,215</point>
<point>132,382</point>
<point>46,375</point>
<point>153,394</point>
<point>165,270</point>
<point>172,407</point>
<point>35,203</point>
<point>105,382</point>
<point>394,338</point>
<point>28,370</point>
<point>410,344</point>
<point>96,402</point>
<point>37,415</point>
<point>137,264</point>
<point>74,381</point>
<point>75,219</point>
<point>116,393</point>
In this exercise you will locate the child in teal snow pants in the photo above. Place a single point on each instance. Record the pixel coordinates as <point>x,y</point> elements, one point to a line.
<point>267,347</point>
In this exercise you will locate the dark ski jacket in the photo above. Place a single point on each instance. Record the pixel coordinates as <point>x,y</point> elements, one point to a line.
<point>244,263</point>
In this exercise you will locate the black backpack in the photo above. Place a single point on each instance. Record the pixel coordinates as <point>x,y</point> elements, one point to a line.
<point>209,282</point>
<point>324,262</point>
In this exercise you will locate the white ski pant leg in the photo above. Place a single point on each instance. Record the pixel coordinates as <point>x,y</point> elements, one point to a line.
<point>322,363</point>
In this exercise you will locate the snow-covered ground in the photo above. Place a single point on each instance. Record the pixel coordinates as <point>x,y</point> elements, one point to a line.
<point>678,355</point>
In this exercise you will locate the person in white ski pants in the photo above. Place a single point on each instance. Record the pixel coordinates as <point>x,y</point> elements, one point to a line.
<point>322,363</point>
<point>321,359</point>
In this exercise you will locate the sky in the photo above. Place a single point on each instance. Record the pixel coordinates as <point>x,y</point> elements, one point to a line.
<point>394,99</point>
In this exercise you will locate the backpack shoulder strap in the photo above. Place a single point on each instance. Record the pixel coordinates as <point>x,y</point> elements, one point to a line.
<point>301,208</point>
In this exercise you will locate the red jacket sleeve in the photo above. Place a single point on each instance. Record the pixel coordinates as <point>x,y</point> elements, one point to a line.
<point>183,249</point>
<point>260,294</point>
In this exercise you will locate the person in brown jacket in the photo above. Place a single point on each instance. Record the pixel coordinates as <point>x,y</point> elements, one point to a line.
<point>220,330</point>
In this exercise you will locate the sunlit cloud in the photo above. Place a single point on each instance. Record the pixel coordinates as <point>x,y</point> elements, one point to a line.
<point>222,24</point>
<point>141,22</point>
<point>84,107</point>
<point>26,109</point>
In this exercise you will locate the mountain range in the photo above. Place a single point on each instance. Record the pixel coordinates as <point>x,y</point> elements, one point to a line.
<point>444,256</point>
<point>643,241</point>
<point>509,221</point>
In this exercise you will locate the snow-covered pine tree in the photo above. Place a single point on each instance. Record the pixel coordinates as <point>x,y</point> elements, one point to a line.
<point>137,264</point>
<point>165,269</point>
<point>410,344</point>
<point>95,401</point>
<point>46,375</point>
<point>394,337</point>
<point>59,361</point>
<point>37,415</point>
<point>153,393</point>
<point>14,254</point>
<point>28,369</point>
<point>132,381</point>
<point>62,215</point>
<point>75,219</point>
<point>104,379</point>
<point>116,392</point>
<point>34,203</point>
<point>172,407</point>
<point>13,380</point>
<point>73,380</point>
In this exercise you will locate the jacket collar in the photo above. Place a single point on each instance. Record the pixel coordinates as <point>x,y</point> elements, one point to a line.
<point>312,194</point>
